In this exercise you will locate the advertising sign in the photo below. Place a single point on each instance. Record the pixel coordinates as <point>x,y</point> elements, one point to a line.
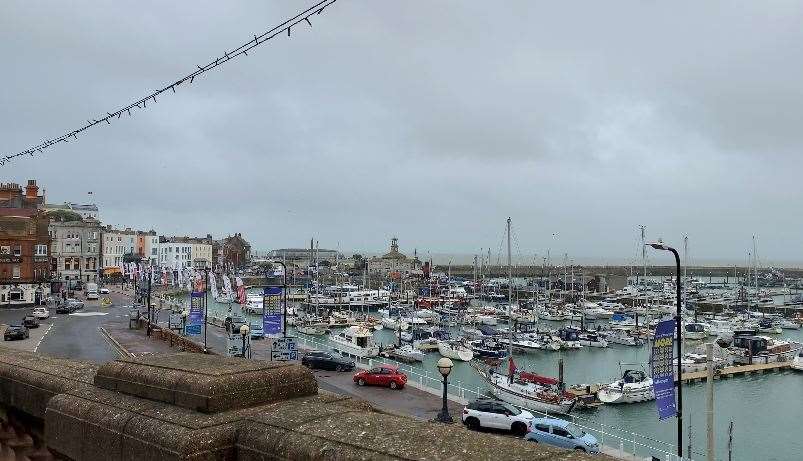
<point>175,321</point>
<point>283,349</point>
<point>272,321</point>
<point>234,345</point>
<point>195,320</point>
<point>663,377</point>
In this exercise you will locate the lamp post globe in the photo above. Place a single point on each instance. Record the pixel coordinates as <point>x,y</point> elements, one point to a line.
<point>444,368</point>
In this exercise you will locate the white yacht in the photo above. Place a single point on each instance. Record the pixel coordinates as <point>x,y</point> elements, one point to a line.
<point>409,352</point>
<point>695,330</point>
<point>357,341</point>
<point>718,327</point>
<point>594,311</point>
<point>762,349</point>
<point>622,338</point>
<point>313,328</point>
<point>394,324</point>
<point>455,350</point>
<point>635,386</point>
<point>797,363</point>
<point>528,394</point>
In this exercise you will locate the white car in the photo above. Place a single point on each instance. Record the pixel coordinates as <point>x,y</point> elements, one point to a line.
<point>104,291</point>
<point>41,313</point>
<point>497,415</point>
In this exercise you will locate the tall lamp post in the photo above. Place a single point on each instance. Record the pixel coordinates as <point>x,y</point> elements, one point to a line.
<point>660,246</point>
<point>444,367</point>
<point>206,304</point>
<point>244,330</point>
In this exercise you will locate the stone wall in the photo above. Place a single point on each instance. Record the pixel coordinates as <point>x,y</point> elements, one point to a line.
<point>200,407</point>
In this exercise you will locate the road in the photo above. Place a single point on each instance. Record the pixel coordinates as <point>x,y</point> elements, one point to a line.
<point>75,336</point>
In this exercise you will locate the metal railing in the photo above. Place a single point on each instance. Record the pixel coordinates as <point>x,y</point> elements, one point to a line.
<point>621,441</point>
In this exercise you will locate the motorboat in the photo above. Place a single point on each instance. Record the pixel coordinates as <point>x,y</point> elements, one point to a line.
<point>594,311</point>
<point>797,362</point>
<point>550,315</point>
<point>409,352</point>
<point>488,348</point>
<point>717,327</point>
<point>695,330</point>
<point>622,338</point>
<point>762,349</point>
<point>693,362</point>
<point>787,324</point>
<point>634,386</point>
<point>357,341</point>
<point>313,328</point>
<point>455,350</point>
<point>592,339</point>
<point>394,324</point>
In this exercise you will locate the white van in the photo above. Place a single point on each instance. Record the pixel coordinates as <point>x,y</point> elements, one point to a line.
<point>91,291</point>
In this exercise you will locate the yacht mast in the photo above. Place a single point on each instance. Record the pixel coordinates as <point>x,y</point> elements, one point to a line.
<point>755,267</point>
<point>685,266</point>
<point>509,296</point>
<point>644,254</point>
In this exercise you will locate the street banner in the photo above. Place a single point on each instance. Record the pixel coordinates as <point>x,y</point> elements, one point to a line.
<point>213,285</point>
<point>663,377</point>
<point>272,321</point>
<point>195,320</point>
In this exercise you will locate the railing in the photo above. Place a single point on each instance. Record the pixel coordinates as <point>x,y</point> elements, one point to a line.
<point>622,442</point>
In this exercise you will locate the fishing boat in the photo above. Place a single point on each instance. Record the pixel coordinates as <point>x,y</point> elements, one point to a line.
<point>357,341</point>
<point>455,350</point>
<point>634,386</point>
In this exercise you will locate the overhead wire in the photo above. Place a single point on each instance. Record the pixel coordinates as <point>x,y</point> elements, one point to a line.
<point>242,50</point>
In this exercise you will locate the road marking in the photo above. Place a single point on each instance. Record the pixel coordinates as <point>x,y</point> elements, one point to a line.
<point>43,337</point>
<point>88,314</point>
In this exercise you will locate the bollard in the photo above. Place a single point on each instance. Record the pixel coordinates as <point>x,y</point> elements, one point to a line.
<point>621,448</point>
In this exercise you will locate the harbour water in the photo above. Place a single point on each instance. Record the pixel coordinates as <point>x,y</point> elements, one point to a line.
<point>764,408</point>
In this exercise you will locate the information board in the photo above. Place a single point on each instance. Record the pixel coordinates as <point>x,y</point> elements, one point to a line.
<point>663,376</point>
<point>283,349</point>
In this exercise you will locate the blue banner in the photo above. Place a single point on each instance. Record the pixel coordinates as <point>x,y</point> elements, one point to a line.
<point>272,324</point>
<point>272,291</point>
<point>663,376</point>
<point>196,317</point>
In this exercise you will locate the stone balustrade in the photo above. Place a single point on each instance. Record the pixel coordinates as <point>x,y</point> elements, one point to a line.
<point>197,407</point>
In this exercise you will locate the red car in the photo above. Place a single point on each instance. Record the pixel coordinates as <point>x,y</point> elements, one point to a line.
<point>383,375</point>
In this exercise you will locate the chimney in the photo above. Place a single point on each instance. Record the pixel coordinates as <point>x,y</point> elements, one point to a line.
<point>31,190</point>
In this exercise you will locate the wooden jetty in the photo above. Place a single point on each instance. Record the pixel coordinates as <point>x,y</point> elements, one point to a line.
<point>736,370</point>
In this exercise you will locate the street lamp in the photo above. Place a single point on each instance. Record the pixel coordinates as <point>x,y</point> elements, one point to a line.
<point>661,246</point>
<point>444,367</point>
<point>244,330</point>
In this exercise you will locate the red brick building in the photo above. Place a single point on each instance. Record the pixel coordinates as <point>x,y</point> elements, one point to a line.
<point>24,256</point>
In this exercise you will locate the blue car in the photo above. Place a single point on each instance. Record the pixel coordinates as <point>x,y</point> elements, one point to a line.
<point>256,330</point>
<point>562,434</point>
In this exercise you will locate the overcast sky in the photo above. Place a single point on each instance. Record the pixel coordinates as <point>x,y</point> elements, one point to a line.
<point>428,120</point>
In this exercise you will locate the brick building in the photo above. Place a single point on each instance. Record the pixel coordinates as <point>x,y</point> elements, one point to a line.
<point>231,253</point>
<point>24,252</point>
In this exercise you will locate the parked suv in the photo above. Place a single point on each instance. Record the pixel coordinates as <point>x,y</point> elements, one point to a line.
<point>383,375</point>
<point>562,434</point>
<point>496,414</point>
<point>15,332</point>
<point>326,361</point>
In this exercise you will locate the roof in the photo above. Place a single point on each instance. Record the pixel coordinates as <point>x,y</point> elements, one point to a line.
<point>552,421</point>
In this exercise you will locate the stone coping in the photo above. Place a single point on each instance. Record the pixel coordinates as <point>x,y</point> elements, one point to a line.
<point>206,383</point>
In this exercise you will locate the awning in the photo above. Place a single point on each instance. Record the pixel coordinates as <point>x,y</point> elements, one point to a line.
<point>111,270</point>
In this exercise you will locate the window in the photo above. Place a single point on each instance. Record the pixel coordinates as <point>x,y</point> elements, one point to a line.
<point>560,432</point>
<point>41,250</point>
<point>16,272</point>
<point>542,428</point>
<point>17,250</point>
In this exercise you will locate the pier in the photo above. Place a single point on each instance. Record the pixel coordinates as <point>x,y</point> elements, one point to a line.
<point>736,370</point>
